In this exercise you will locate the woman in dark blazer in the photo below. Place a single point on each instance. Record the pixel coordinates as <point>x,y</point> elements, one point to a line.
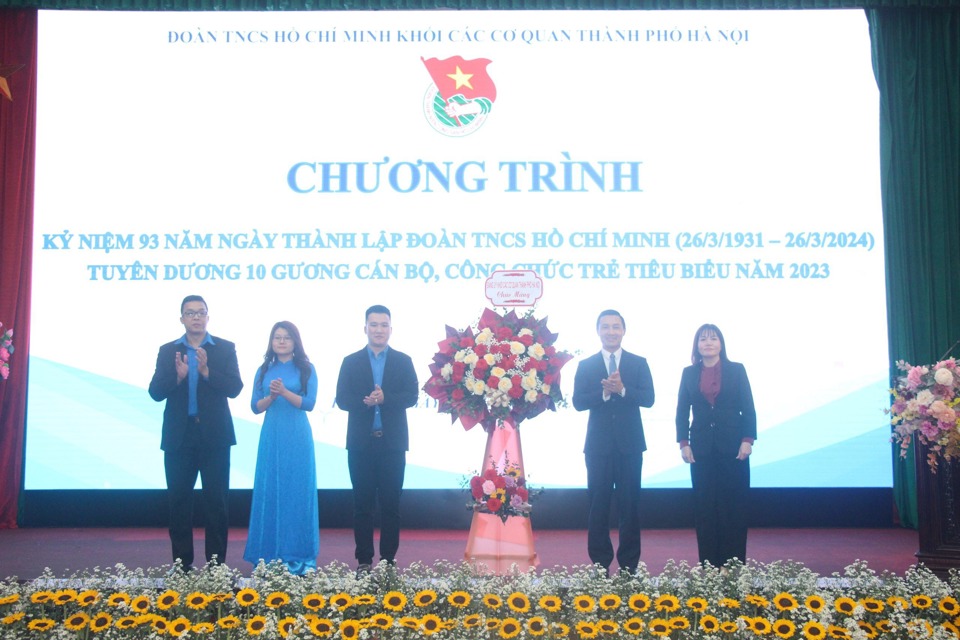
<point>717,445</point>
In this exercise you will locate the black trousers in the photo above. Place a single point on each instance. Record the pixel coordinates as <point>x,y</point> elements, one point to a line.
<point>721,489</point>
<point>377,476</point>
<point>182,468</point>
<point>608,475</point>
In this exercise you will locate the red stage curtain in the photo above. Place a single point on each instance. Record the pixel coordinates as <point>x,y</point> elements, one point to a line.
<point>18,45</point>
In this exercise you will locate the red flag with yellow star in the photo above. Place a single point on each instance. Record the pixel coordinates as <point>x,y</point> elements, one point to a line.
<point>468,78</point>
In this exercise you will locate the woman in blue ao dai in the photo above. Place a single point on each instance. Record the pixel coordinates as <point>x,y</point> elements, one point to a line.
<point>284,519</point>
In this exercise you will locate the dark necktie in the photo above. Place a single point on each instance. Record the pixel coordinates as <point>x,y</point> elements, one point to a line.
<point>613,364</point>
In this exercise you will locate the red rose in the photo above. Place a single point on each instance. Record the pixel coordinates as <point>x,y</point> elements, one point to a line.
<point>509,362</point>
<point>525,339</point>
<point>458,370</point>
<point>490,474</point>
<point>493,382</point>
<point>481,365</point>
<point>523,493</point>
<point>500,482</point>
<point>476,487</point>
<point>493,505</point>
<point>515,391</point>
<point>457,394</point>
<point>504,333</point>
<point>530,364</point>
<point>465,342</point>
<point>480,350</point>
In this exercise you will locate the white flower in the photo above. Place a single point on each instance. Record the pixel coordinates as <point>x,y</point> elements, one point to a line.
<point>525,332</point>
<point>516,348</point>
<point>488,487</point>
<point>490,358</point>
<point>505,384</point>
<point>944,377</point>
<point>925,397</point>
<point>530,396</point>
<point>536,351</point>
<point>479,387</point>
<point>498,371</point>
<point>529,381</point>
<point>470,358</point>
<point>446,371</point>
<point>545,388</point>
<point>484,336</point>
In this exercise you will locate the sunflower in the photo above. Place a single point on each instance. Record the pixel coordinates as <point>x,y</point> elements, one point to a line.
<point>949,626</point>
<point>341,600</point>
<point>679,622</point>
<point>709,624</point>
<point>459,599</point>
<point>168,599</point>
<point>587,630</point>
<point>607,627</point>
<point>41,624</point>
<point>559,630</point>
<point>659,627</point>
<point>41,597</point>
<point>634,626</point>
<point>118,599</point>
<point>287,626</point>
<point>757,600</point>
<point>425,598</point>
<point>201,628</point>
<point>536,626</point>
<point>697,604</point>
<point>949,606</point>
<point>321,627</point>
<point>228,622</point>
<point>197,600</point>
<point>256,625</point>
<point>550,603</point>
<point>898,603</point>
<point>179,626</point>
<point>276,599</point>
<point>784,628</point>
<point>813,630</point>
<point>729,626</point>
<point>872,605</point>
<point>472,620</point>
<point>126,622</point>
<point>815,603</point>
<point>761,626</point>
<point>409,622</point>
<point>610,601</point>
<point>491,624</point>
<point>919,628</point>
<point>510,628</point>
<point>63,596</point>
<point>365,599</point>
<point>13,617</point>
<point>314,601</point>
<point>666,602</point>
<point>349,629</point>
<point>728,603</point>
<point>247,597</point>
<point>492,601</point>
<point>87,597</point>
<point>845,605</point>
<point>141,604</point>
<point>10,599</point>
<point>431,624</point>
<point>867,628</point>
<point>921,601</point>
<point>584,603</point>
<point>518,602</point>
<point>639,602</point>
<point>77,621</point>
<point>381,620</point>
<point>100,622</point>
<point>784,601</point>
<point>394,601</point>
<point>885,626</point>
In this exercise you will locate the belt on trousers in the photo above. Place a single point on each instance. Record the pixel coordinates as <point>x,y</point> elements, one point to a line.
<point>377,433</point>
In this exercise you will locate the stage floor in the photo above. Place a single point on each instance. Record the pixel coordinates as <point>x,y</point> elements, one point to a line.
<point>24,553</point>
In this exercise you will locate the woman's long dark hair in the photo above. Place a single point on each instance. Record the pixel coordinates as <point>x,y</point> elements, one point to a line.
<point>300,358</point>
<point>695,357</point>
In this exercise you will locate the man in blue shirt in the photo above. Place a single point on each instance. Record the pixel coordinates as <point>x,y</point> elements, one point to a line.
<point>376,386</point>
<point>195,375</point>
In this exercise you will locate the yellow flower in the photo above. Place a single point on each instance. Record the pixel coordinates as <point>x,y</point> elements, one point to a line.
<point>815,604</point>
<point>666,602</point>
<point>919,628</point>
<point>898,603</point>
<point>100,622</point>
<point>10,599</point>
<point>140,604</point>
<point>949,626</point>
<point>202,628</point>
<point>510,628</point>
<point>77,621</point>
<point>659,627</point>
<point>921,601</point>
<point>559,630</point>
<point>63,596</point>
<point>536,626</point>
<point>639,602</point>
<point>472,620</point>
<point>394,601</point>
<point>228,622</point>
<point>584,603</point>
<point>837,632</point>
<point>492,601</point>
<point>949,606</point>
<point>813,630</point>
<point>117,599</point>
<point>757,600</point>
<point>729,626</point>
<point>634,626</point>
<point>41,597</point>
<point>41,624</point>
<point>425,598</point>
<point>518,602</point>
<point>341,600</point>
<point>364,599</point>
<point>872,605</point>
<point>179,626</point>
<point>321,627</point>
<point>761,626</point>
<point>459,599</point>
<point>197,600</point>
<point>550,603</point>
<point>87,597</point>
<point>697,604</point>
<point>784,601</point>
<point>247,597</point>
<point>784,628</point>
<point>868,629</point>
<point>287,625</point>
<point>381,620</point>
<point>587,630</point>
<point>126,622</point>
<point>256,625</point>
<point>885,626</point>
<point>276,599</point>
<point>709,624</point>
<point>168,599</point>
<point>314,601</point>
<point>728,603</point>
<point>409,622</point>
<point>13,617</point>
<point>607,627</point>
<point>430,624</point>
<point>845,605</point>
<point>679,622</point>
<point>492,624</point>
<point>610,601</point>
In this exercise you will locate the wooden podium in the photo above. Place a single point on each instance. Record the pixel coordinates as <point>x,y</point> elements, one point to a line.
<point>938,513</point>
<point>495,546</point>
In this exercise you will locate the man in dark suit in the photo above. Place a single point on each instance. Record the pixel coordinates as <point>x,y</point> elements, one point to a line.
<point>196,374</point>
<point>612,385</point>
<point>376,387</point>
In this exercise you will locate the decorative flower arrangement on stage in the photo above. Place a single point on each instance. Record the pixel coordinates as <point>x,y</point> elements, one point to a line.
<point>779,601</point>
<point>506,369</point>
<point>501,493</point>
<point>6,349</point>
<point>924,406</point>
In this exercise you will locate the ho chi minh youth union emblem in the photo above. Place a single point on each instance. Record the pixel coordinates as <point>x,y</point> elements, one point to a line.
<point>461,96</point>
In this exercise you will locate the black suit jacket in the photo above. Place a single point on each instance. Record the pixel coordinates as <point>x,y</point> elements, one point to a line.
<point>400,392</point>
<point>215,422</point>
<point>614,425</point>
<point>717,429</point>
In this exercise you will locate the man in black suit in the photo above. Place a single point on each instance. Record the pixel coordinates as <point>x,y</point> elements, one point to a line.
<point>376,387</point>
<point>195,374</point>
<point>612,385</point>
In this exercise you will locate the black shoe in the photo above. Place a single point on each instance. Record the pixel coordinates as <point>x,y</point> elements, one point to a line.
<point>363,569</point>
